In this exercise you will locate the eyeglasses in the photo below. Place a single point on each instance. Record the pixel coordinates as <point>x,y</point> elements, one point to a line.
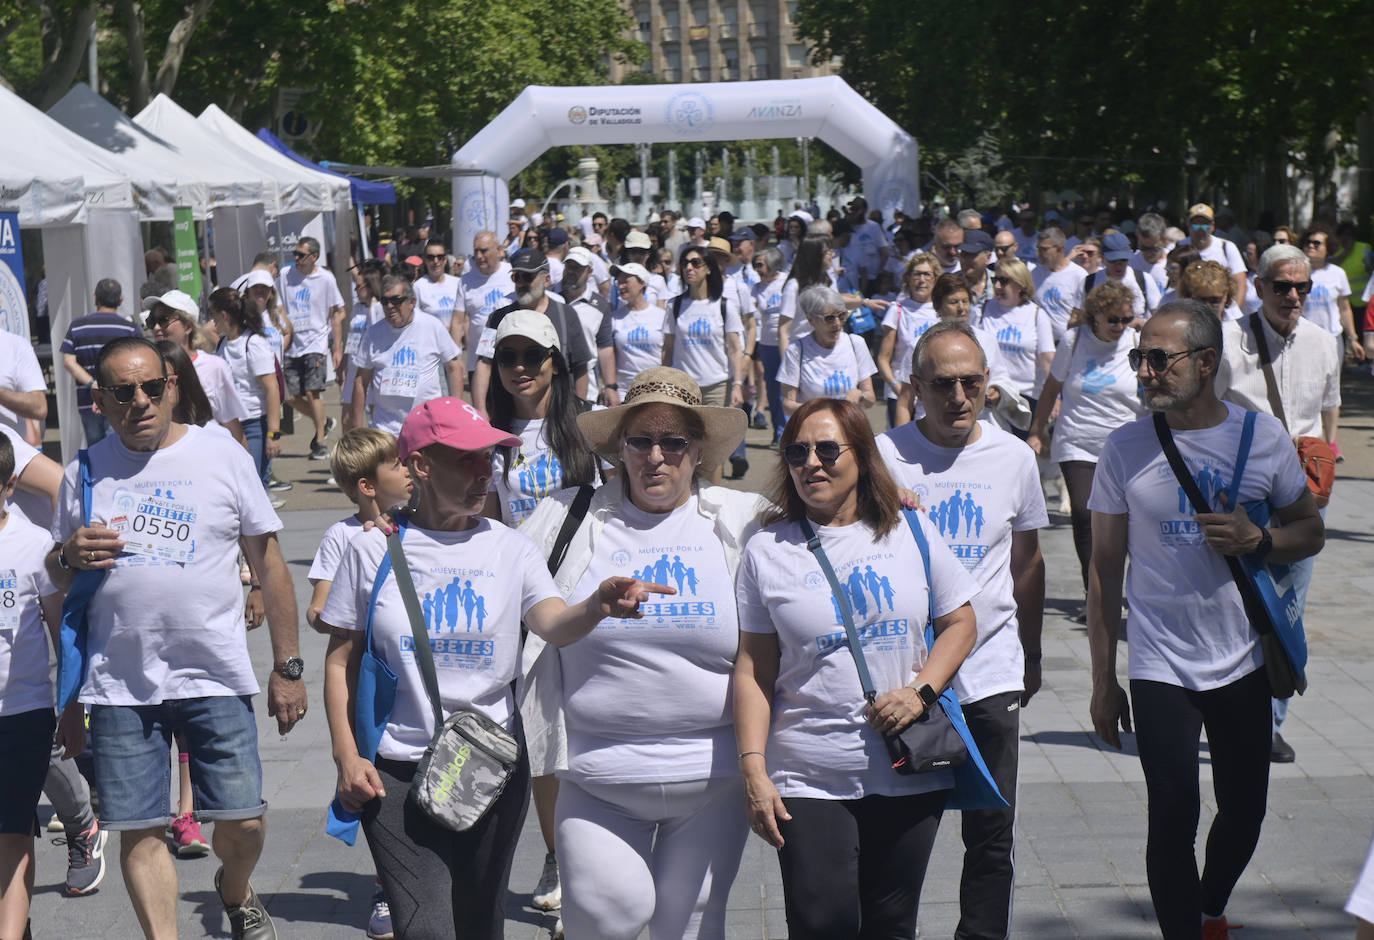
<point>436,257</point>
<point>759,265</point>
<point>1314,243</point>
<point>393,300</point>
<point>1118,321</point>
<point>124,394</point>
<point>1283,287</point>
<point>302,254</point>
<point>531,357</point>
<point>671,446</point>
<point>945,384</point>
<point>1157,359</point>
<point>923,275</point>
<point>1002,249</point>
<point>830,317</point>
<point>696,261</point>
<point>1001,281</point>
<point>1150,249</point>
<point>1199,226</point>
<point>524,277</point>
<point>827,452</point>
<point>1212,301</point>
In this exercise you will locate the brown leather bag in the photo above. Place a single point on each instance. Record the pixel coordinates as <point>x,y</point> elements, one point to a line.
<point>1317,457</point>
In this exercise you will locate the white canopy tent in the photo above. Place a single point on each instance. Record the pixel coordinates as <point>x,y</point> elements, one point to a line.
<point>239,224</point>
<point>543,117</point>
<point>85,208</point>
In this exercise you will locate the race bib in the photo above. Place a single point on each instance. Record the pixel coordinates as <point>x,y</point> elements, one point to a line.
<point>401,379</point>
<point>9,604</point>
<point>355,339</point>
<point>157,526</point>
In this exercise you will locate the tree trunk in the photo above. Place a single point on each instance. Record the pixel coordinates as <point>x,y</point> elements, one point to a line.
<point>1364,191</point>
<point>140,92</point>
<point>177,42</point>
<point>60,70</point>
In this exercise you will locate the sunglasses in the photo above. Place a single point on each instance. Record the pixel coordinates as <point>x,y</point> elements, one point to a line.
<point>524,277</point>
<point>830,317</point>
<point>393,300</point>
<point>693,262</point>
<point>827,452</point>
<point>1314,243</point>
<point>1283,287</point>
<point>1199,226</point>
<point>1157,359</point>
<point>1001,281</point>
<point>124,394</point>
<point>531,357</point>
<point>435,257</point>
<point>1118,321</point>
<point>670,446</point>
<point>759,265</point>
<point>945,384</point>
<point>302,254</point>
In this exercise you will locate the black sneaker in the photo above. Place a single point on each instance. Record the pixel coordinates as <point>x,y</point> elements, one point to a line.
<point>738,468</point>
<point>318,451</point>
<point>1280,751</point>
<point>85,859</point>
<point>249,920</point>
<point>278,486</point>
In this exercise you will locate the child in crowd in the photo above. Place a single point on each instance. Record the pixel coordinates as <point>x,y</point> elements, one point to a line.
<point>27,599</point>
<point>366,466</point>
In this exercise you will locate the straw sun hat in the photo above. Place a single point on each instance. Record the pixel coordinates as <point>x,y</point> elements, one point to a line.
<point>725,427</point>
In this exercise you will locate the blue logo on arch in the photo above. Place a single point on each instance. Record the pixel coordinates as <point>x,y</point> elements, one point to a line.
<point>689,113</point>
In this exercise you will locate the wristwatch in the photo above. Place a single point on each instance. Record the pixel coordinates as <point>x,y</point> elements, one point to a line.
<point>1266,543</point>
<point>292,668</point>
<point>612,386</point>
<point>274,435</point>
<point>62,557</point>
<point>928,695</point>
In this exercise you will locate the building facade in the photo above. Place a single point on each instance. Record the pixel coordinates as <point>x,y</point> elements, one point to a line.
<point>719,41</point>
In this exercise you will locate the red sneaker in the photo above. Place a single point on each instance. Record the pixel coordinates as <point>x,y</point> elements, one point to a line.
<point>1216,928</point>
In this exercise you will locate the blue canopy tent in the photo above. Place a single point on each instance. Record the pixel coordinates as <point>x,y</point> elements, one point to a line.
<point>365,192</point>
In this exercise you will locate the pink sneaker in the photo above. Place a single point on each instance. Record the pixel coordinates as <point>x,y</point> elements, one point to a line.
<point>190,843</point>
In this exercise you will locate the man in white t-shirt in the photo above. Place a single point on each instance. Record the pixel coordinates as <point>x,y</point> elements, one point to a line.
<point>484,287</point>
<point>1152,249</point>
<point>436,291</point>
<point>315,307</point>
<point>401,360</point>
<point>1196,660</point>
<point>1058,281</point>
<point>165,648</point>
<point>23,391</point>
<point>1004,245</point>
<point>868,244</point>
<point>981,489</point>
<point>1201,223</point>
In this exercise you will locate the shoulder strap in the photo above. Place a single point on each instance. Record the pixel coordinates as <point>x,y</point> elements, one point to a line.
<point>1140,282</point>
<point>722,313</point>
<point>1088,283</point>
<point>571,523</point>
<point>1271,384</point>
<point>424,656</point>
<point>83,460</point>
<point>813,544</point>
<point>677,306</point>
<point>919,534</point>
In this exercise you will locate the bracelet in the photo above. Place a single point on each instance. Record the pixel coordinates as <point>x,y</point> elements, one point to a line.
<point>254,585</point>
<point>744,754</point>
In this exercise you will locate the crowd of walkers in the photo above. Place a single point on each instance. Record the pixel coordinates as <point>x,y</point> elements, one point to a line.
<point>546,588</point>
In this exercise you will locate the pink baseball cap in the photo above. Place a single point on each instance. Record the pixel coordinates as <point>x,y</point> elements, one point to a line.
<point>452,422</point>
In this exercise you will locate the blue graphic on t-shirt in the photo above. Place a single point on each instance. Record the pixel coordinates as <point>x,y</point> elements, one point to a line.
<point>491,299</point>
<point>638,338</point>
<point>1210,482</point>
<point>947,515</point>
<point>1009,339</point>
<point>1320,294</point>
<point>1052,298</point>
<point>405,356</point>
<point>859,586</point>
<point>699,332</point>
<point>1096,378</point>
<point>302,295</point>
<point>541,476</point>
<point>442,607</point>
<point>676,572</point>
<point>837,385</point>
<point>446,302</point>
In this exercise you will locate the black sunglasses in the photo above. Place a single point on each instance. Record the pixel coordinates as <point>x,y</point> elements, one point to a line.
<point>436,257</point>
<point>831,317</point>
<point>1118,321</point>
<point>124,394</point>
<point>1157,359</point>
<point>525,277</point>
<point>531,357</point>
<point>827,452</point>
<point>302,254</point>
<point>945,384</point>
<point>695,261</point>
<point>1001,281</point>
<point>1282,287</point>
<point>671,446</point>
<point>393,300</point>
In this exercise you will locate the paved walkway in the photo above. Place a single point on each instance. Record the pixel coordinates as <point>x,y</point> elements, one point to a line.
<point>1081,826</point>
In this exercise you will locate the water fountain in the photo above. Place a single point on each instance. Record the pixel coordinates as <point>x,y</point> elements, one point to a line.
<point>699,168</point>
<point>748,206</point>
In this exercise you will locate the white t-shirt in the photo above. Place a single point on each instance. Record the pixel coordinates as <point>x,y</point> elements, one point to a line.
<point>977,496</point>
<point>820,745</point>
<point>743,293</point>
<point>1187,624</point>
<point>363,316</point>
<point>1026,244</point>
<point>649,699</point>
<point>248,357</point>
<point>332,545</point>
<point>307,301</point>
<point>535,473</point>
<point>437,298</point>
<point>699,344</point>
<point>1361,901</point>
<point>865,244</point>
<point>19,372</point>
<point>1024,334</point>
<point>482,581</point>
<point>25,684</point>
<point>1223,252</point>
<point>1100,393</point>
<point>1329,284</point>
<point>908,319</point>
<point>407,367</point>
<point>162,629</point>
<point>817,372</point>
<point>638,338</point>
<point>218,383</point>
<point>801,326</point>
<point>479,294</point>
<point>768,308</point>
<point>1159,271</point>
<point>1060,293</point>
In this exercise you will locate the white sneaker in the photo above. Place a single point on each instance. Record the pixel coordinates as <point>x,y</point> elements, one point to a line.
<point>558,930</point>
<point>55,824</point>
<point>548,894</point>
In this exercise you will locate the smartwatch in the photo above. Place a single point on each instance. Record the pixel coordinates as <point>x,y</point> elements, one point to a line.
<point>292,668</point>
<point>274,435</point>
<point>1265,545</point>
<point>612,386</point>
<point>928,695</point>
<point>62,557</point>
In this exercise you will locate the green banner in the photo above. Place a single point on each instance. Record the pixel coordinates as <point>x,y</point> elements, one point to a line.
<point>188,259</point>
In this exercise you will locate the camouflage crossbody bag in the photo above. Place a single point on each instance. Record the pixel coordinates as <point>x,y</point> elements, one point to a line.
<point>471,758</point>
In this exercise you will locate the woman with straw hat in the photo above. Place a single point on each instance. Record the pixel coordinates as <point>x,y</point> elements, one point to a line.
<point>650,821</point>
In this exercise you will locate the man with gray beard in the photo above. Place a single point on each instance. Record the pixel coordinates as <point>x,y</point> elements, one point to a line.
<point>530,274</point>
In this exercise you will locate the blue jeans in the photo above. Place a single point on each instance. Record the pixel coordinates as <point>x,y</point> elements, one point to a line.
<point>770,357</point>
<point>255,434</point>
<point>1302,580</point>
<point>129,744</point>
<point>95,426</point>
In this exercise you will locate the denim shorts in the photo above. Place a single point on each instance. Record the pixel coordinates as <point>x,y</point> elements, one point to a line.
<point>130,746</point>
<point>304,374</point>
<point>26,742</point>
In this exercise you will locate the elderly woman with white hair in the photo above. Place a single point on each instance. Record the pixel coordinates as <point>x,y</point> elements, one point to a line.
<point>827,362</point>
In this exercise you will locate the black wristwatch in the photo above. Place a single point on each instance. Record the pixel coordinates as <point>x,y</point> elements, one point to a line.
<point>1265,545</point>
<point>62,557</point>
<point>928,695</point>
<point>274,435</point>
<point>292,668</point>
<point>612,386</point>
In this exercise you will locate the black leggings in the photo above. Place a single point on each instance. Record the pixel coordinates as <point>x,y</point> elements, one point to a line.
<point>1078,477</point>
<point>852,869</point>
<point>1168,722</point>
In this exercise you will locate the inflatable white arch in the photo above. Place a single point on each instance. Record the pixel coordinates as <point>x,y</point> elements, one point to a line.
<point>544,117</point>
